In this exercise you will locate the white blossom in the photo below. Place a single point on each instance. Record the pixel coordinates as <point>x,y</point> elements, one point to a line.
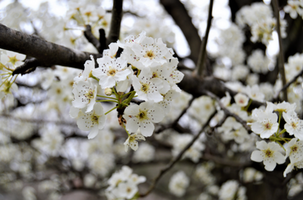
<point>269,153</point>
<point>143,116</point>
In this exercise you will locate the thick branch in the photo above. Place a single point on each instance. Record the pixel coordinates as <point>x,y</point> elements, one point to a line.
<point>115,23</point>
<point>45,52</point>
<point>180,15</point>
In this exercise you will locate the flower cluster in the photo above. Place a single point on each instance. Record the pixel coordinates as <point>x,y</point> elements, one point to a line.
<point>145,69</point>
<point>294,8</point>
<point>266,123</point>
<point>178,184</point>
<point>259,17</point>
<point>8,62</point>
<point>123,184</point>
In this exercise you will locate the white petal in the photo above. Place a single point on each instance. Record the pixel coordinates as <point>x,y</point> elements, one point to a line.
<point>256,156</point>
<point>93,133</point>
<point>147,128</point>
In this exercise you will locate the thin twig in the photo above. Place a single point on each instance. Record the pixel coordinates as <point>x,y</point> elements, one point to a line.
<point>275,4</point>
<point>115,23</point>
<point>29,66</point>
<point>175,125</point>
<point>201,60</point>
<point>288,84</point>
<point>228,113</point>
<point>174,161</point>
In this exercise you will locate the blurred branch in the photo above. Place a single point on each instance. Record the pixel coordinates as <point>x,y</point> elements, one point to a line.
<point>201,60</point>
<point>91,38</point>
<point>47,53</point>
<point>176,159</point>
<point>287,85</point>
<point>115,24</point>
<point>228,113</point>
<point>181,17</point>
<point>275,4</point>
<point>38,121</point>
<point>175,125</point>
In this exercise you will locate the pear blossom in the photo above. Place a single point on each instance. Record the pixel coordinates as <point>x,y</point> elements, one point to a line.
<point>294,150</point>
<point>258,62</point>
<point>142,116</point>
<point>89,65</point>
<point>241,100</point>
<point>148,88</point>
<point>178,184</point>
<point>12,59</point>
<point>293,8</point>
<point>92,121</point>
<point>269,153</point>
<point>294,125</point>
<point>85,94</point>
<point>132,141</point>
<point>265,125</point>
<point>194,152</point>
<point>280,107</point>
<point>123,184</point>
<point>151,51</point>
<point>254,93</point>
<point>145,153</point>
<point>110,71</point>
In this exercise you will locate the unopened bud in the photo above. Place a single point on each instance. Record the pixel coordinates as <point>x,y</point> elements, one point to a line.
<point>108,91</point>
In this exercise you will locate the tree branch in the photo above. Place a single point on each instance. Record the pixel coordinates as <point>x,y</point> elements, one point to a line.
<point>275,4</point>
<point>180,15</point>
<point>29,66</point>
<point>228,113</point>
<point>115,23</point>
<point>174,161</point>
<point>91,38</point>
<point>288,84</point>
<point>201,60</point>
<point>45,52</point>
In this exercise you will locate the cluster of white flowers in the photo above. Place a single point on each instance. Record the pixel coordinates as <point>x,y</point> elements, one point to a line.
<point>294,66</point>
<point>8,62</point>
<point>232,190</point>
<point>194,152</point>
<point>145,64</point>
<point>258,62</point>
<point>294,8</point>
<point>259,17</point>
<point>178,184</point>
<point>250,175</point>
<point>123,184</point>
<point>266,123</point>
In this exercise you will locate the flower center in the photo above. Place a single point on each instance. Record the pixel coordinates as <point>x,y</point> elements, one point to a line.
<point>150,54</point>
<point>267,125</point>
<point>268,153</point>
<point>13,60</point>
<point>95,119</point>
<point>142,115</point>
<point>144,87</point>
<point>294,148</point>
<point>111,71</point>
